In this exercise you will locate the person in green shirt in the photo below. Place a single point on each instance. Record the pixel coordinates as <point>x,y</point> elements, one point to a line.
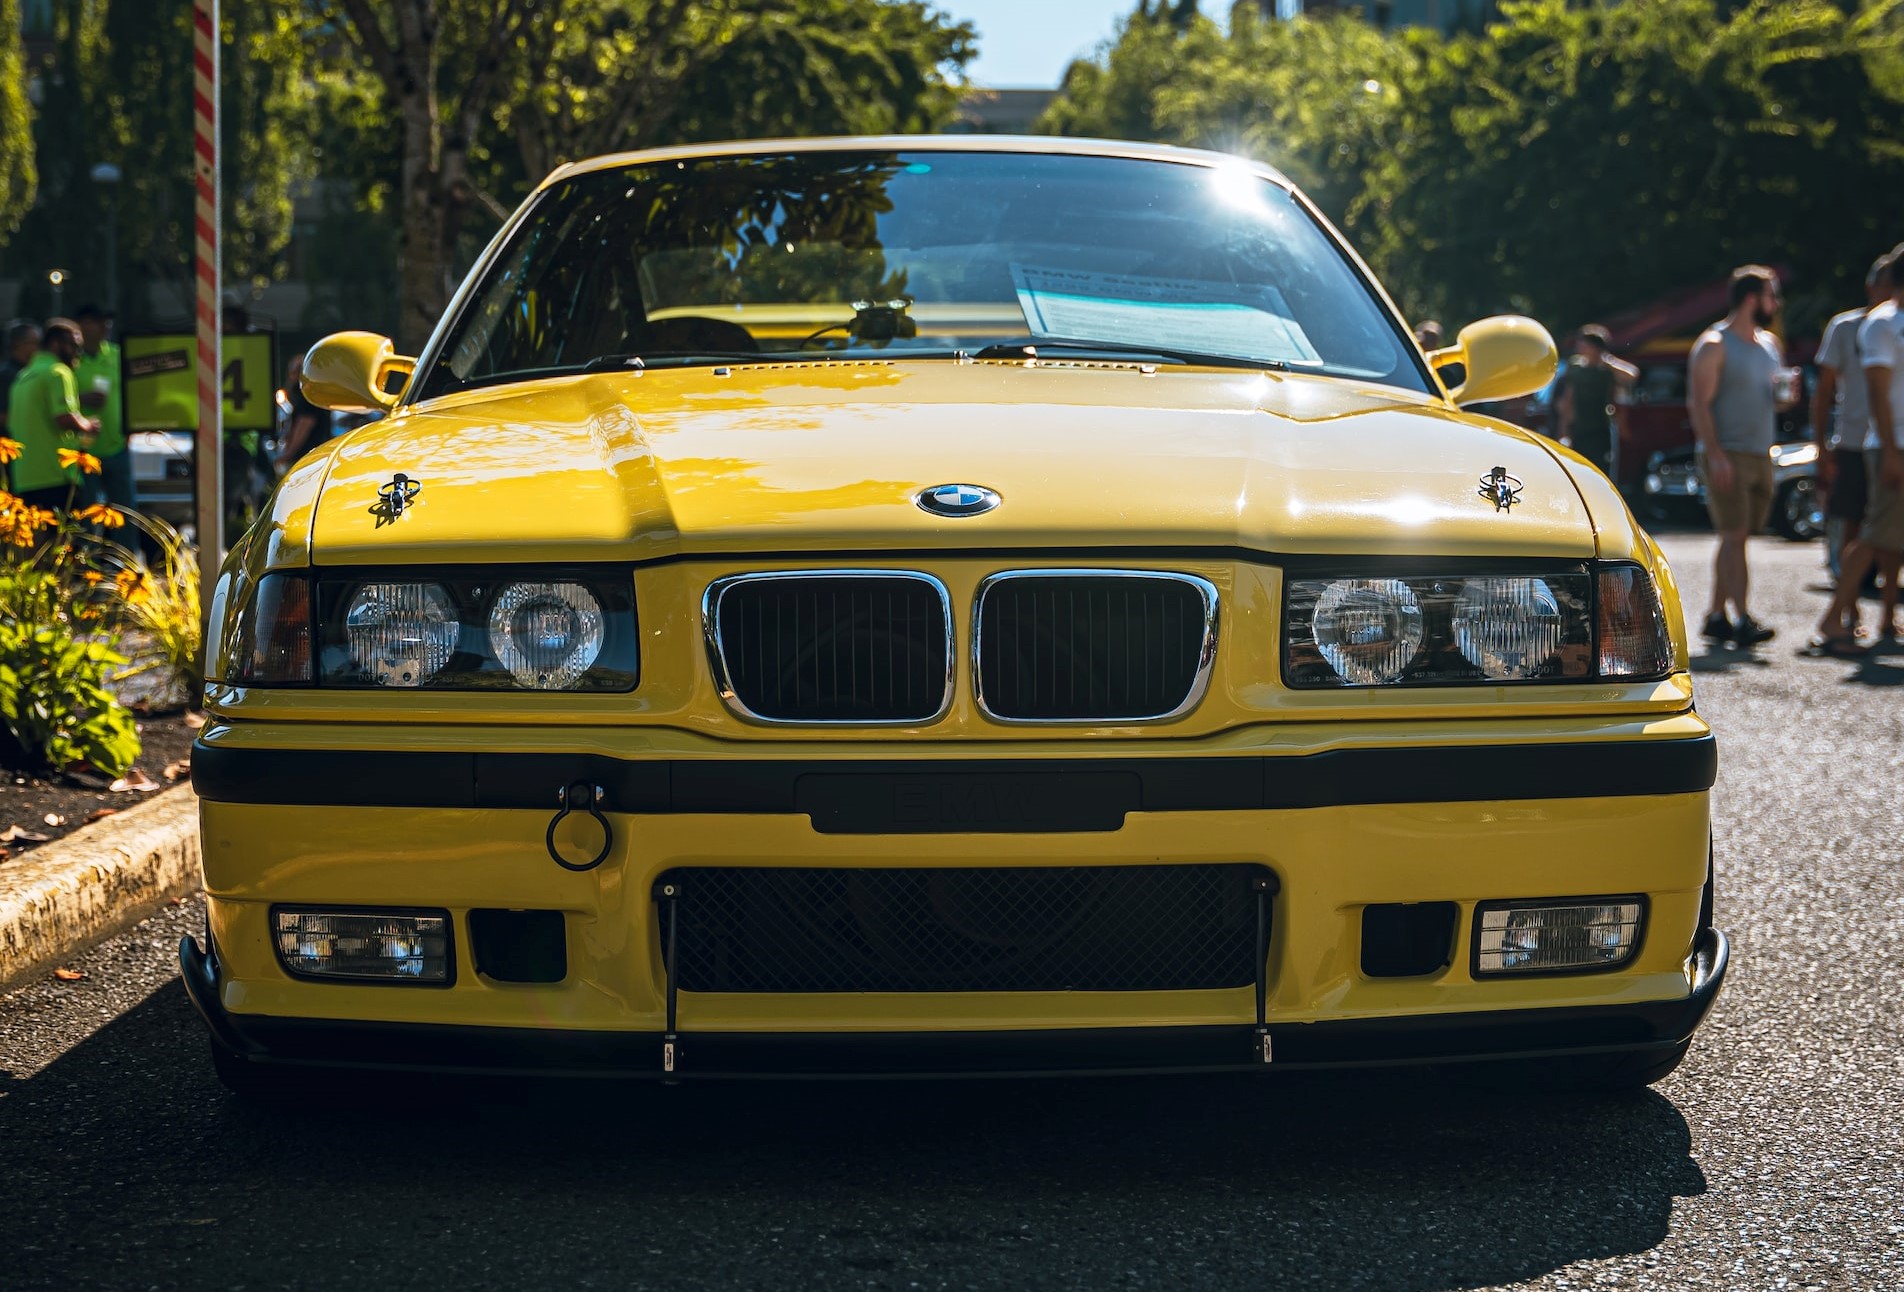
<point>43,416</point>
<point>100,394</point>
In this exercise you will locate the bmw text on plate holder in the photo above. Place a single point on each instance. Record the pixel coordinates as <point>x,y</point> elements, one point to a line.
<point>956,499</point>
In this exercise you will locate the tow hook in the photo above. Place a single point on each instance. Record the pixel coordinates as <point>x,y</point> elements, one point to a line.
<point>580,797</point>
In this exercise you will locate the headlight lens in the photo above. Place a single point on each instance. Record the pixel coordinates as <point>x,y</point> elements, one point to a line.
<point>568,629</point>
<point>1508,628</point>
<point>546,634</point>
<point>1368,629</point>
<point>1486,627</point>
<point>400,634</point>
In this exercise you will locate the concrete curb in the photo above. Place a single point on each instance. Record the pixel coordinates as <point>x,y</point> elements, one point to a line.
<point>97,881</point>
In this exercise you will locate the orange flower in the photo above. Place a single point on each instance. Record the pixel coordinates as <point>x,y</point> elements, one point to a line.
<point>100,514</point>
<point>86,462</point>
<point>39,517</point>
<point>9,449</point>
<point>93,578</point>
<point>133,585</point>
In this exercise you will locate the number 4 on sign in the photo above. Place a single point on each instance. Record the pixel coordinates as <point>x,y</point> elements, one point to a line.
<point>236,393</point>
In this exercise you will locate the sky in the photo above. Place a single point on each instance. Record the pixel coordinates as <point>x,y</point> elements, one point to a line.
<point>1031,42</point>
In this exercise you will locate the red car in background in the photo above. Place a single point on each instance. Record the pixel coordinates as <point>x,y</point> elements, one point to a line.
<point>1657,338</point>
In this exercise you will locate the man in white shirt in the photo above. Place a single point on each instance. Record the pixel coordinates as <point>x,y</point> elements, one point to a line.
<point>1881,539</point>
<point>1840,416</point>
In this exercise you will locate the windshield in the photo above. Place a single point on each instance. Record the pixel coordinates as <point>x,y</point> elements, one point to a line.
<point>924,255</point>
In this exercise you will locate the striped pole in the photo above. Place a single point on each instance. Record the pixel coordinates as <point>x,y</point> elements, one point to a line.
<point>210,456</point>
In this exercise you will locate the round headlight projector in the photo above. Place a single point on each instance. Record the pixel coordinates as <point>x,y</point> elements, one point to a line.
<point>401,634</point>
<point>1508,628</point>
<point>1368,629</point>
<point>546,634</point>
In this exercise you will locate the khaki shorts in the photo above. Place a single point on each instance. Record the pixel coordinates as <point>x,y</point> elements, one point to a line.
<point>1883,526</point>
<point>1748,503</point>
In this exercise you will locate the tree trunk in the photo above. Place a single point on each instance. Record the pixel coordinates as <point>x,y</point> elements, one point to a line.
<point>422,287</point>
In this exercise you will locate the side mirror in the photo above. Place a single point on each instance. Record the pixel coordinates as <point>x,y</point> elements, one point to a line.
<point>351,372</point>
<point>1501,358</point>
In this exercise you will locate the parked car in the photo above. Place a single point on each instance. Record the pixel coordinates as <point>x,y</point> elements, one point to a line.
<point>163,483</point>
<point>943,606</point>
<point>1673,491</point>
<point>162,474</point>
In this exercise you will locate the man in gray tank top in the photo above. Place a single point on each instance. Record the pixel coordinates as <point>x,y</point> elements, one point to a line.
<point>1732,397</point>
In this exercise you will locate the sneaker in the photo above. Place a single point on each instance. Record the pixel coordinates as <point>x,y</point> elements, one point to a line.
<point>1750,632</point>
<point>1718,628</point>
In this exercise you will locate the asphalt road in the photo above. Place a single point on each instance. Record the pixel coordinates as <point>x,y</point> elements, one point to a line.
<point>1773,1158</point>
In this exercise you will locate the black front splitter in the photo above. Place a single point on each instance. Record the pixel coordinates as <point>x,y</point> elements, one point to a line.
<point>1653,1028</point>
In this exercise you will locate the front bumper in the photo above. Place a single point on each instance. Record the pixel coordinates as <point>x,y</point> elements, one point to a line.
<point>1339,829</point>
<point>1652,1028</point>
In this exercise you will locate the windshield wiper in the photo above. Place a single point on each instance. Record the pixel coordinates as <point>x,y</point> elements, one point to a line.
<point>1033,347</point>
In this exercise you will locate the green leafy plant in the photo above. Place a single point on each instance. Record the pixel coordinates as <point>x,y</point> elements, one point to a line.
<point>54,700</point>
<point>157,606</point>
<point>68,593</point>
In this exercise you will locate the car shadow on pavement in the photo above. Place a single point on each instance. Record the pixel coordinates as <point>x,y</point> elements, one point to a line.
<point>126,1162</point>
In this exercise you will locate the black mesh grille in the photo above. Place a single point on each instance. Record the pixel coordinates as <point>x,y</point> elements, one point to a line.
<point>1060,928</point>
<point>1093,646</point>
<point>835,649</point>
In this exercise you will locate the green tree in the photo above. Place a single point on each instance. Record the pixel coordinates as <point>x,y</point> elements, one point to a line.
<point>489,95</point>
<point>18,176</point>
<point>1572,161</point>
<point>118,88</point>
<point>1566,160</point>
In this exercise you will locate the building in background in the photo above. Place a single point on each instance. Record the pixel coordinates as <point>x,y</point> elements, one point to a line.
<point>999,112</point>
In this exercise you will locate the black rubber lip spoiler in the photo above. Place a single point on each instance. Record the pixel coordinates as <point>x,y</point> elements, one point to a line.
<point>1640,1028</point>
<point>992,795</point>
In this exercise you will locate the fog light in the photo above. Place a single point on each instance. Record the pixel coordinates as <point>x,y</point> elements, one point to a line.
<point>1573,935</point>
<point>364,946</point>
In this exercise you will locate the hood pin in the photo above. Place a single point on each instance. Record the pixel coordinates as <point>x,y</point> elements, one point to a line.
<point>392,498</point>
<point>1497,486</point>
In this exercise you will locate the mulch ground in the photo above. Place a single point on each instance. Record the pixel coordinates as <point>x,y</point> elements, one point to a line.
<point>34,810</point>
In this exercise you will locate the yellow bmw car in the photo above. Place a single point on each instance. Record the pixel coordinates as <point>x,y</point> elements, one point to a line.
<point>904,606</point>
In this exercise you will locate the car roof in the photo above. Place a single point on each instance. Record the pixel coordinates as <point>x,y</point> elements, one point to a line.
<point>920,143</point>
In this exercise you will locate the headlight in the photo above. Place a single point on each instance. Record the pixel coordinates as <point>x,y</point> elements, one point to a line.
<point>1508,628</point>
<point>546,634</point>
<point>1368,629</point>
<point>545,630</point>
<point>400,634</point>
<point>1794,455</point>
<point>1484,627</point>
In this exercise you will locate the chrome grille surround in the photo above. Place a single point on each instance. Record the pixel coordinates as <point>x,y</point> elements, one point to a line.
<point>723,677</point>
<point>1206,650</point>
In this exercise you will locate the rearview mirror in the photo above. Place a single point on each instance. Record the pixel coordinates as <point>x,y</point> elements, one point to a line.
<point>352,372</point>
<point>1501,358</point>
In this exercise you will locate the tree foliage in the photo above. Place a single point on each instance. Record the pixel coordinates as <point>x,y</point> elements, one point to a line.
<point>117,88</point>
<point>426,120</point>
<point>18,176</point>
<point>489,95</point>
<point>1567,160</point>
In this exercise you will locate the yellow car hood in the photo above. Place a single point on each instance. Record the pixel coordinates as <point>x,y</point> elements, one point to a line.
<point>821,457</point>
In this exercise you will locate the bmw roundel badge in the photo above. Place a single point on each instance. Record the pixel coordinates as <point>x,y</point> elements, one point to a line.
<point>956,499</point>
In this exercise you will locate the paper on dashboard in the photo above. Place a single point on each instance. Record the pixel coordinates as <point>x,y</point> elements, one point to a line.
<point>1231,319</point>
